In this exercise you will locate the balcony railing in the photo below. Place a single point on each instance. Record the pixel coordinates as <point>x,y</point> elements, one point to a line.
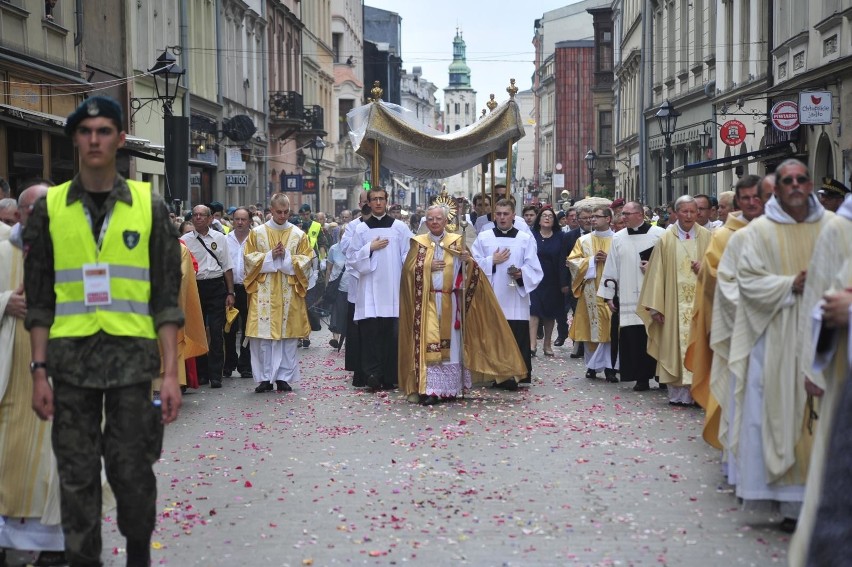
<point>314,117</point>
<point>286,106</point>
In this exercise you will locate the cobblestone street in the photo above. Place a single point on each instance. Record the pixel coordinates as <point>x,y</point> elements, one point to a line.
<point>567,472</point>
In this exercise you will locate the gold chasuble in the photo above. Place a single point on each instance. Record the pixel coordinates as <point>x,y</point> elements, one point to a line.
<point>669,288</point>
<point>699,357</point>
<point>192,337</point>
<point>277,307</point>
<point>592,316</point>
<point>489,346</point>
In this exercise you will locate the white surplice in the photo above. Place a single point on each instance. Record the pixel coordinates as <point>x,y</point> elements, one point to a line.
<point>515,300</point>
<point>379,271</point>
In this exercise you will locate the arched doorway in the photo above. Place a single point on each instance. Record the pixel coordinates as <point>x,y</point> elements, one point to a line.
<point>823,158</point>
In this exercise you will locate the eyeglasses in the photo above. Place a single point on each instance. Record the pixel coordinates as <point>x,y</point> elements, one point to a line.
<point>800,179</point>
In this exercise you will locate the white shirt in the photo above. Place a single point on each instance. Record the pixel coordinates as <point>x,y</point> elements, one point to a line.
<point>235,251</point>
<point>217,243</point>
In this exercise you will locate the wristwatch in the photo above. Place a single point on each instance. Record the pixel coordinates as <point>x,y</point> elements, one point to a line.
<point>231,293</point>
<point>36,365</point>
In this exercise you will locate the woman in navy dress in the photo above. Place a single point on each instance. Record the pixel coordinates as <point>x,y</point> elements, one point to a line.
<point>546,299</point>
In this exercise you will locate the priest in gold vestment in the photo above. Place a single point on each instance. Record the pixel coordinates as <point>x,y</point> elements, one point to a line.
<point>668,295</point>
<point>29,485</point>
<point>774,437</point>
<point>592,316</point>
<point>442,345</point>
<point>699,356</point>
<point>277,267</point>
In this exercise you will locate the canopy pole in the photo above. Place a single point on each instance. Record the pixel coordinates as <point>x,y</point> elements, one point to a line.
<point>509,177</point>
<point>491,157</point>
<point>376,166</point>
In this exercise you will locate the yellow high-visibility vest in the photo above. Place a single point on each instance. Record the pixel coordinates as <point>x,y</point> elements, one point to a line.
<point>124,249</point>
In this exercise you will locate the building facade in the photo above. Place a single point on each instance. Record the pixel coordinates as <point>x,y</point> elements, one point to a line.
<point>460,112</point>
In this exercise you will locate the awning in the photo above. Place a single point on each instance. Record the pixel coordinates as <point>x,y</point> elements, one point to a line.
<point>25,117</point>
<point>729,162</point>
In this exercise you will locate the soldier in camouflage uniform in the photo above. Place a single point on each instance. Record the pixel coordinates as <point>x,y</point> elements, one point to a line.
<point>97,335</point>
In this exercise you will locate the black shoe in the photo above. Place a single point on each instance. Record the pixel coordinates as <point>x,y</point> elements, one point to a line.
<point>610,375</point>
<point>559,341</point>
<point>265,386</point>
<point>540,334</point>
<point>591,374</point>
<point>246,374</point>
<point>306,343</point>
<point>641,387</point>
<point>576,355</point>
<point>525,381</point>
<point>533,352</point>
<point>663,387</point>
<point>430,401</point>
<point>509,384</point>
<point>203,381</point>
<point>282,386</point>
<point>226,373</point>
<point>182,391</point>
<point>300,343</point>
<point>788,525</point>
<point>374,382</point>
<point>49,559</point>
<point>334,344</point>
<point>215,383</point>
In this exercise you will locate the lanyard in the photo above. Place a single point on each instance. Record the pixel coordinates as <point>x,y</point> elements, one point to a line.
<point>103,226</point>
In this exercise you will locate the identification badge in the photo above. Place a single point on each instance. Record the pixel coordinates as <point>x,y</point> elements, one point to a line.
<point>96,284</point>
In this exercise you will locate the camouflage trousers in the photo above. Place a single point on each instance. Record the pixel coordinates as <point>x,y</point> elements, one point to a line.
<point>122,426</point>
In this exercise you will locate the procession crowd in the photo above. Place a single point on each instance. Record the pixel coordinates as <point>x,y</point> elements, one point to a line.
<point>739,307</point>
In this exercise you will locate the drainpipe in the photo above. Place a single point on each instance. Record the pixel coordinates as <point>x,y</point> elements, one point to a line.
<point>187,98</point>
<point>647,58</point>
<point>78,10</point>
<point>265,97</point>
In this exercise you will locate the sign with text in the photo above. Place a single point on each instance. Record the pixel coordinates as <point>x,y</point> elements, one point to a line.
<point>785,115</point>
<point>234,160</point>
<point>732,133</point>
<point>338,194</point>
<point>815,107</point>
<point>236,179</point>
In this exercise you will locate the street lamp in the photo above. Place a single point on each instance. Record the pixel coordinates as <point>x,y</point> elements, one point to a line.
<point>317,147</point>
<point>667,115</point>
<point>167,75</point>
<point>591,161</point>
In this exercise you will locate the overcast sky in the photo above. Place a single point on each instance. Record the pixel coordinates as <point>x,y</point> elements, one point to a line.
<point>498,36</point>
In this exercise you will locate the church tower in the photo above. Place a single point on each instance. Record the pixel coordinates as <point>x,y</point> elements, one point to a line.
<point>459,112</point>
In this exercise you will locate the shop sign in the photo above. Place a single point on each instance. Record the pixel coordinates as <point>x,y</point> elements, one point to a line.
<point>815,107</point>
<point>236,179</point>
<point>785,115</point>
<point>732,133</point>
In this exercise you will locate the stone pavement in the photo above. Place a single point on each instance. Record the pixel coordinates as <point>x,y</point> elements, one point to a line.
<point>566,472</point>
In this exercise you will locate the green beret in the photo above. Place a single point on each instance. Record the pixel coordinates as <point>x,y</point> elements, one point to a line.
<point>92,107</point>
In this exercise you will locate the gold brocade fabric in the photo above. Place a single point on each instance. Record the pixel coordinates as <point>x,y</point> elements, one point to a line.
<point>662,291</point>
<point>490,349</point>
<point>277,307</point>
<point>592,317</point>
<point>407,148</point>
